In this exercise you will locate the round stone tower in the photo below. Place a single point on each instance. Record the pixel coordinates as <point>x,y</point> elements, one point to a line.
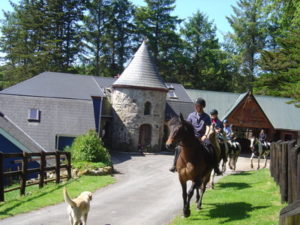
<point>138,100</point>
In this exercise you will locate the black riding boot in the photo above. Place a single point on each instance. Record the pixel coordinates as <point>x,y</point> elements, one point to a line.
<point>177,151</point>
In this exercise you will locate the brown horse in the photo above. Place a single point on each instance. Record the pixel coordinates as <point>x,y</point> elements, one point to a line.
<point>192,163</point>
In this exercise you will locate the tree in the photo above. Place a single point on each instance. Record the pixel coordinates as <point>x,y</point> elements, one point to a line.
<point>249,35</point>
<point>281,66</point>
<point>156,24</point>
<point>95,23</point>
<point>40,36</point>
<point>207,65</point>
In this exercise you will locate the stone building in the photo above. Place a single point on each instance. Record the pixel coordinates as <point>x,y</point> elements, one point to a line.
<point>138,99</point>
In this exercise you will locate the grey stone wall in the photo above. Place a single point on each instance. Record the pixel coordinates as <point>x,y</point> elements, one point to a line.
<point>128,111</point>
<point>68,117</point>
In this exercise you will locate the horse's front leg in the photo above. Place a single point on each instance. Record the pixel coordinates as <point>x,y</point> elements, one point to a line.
<point>186,212</point>
<point>251,160</point>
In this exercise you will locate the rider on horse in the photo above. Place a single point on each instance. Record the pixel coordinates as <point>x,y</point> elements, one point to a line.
<point>263,138</point>
<point>201,122</point>
<point>215,120</point>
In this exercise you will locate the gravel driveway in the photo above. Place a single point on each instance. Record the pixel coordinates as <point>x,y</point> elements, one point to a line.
<point>145,193</point>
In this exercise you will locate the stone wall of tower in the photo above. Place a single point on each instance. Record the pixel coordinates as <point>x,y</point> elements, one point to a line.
<point>128,112</point>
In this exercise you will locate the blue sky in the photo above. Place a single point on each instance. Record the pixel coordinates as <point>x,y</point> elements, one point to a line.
<point>216,10</point>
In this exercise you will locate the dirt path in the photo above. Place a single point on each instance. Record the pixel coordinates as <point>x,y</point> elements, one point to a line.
<point>146,193</point>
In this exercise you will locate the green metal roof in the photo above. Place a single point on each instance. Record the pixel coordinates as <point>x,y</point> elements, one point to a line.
<point>221,101</point>
<point>280,114</point>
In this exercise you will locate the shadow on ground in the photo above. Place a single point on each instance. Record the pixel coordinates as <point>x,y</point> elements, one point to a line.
<point>234,185</point>
<point>229,211</point>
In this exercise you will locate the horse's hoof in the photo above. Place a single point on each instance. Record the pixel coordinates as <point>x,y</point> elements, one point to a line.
<point>251,166</point>
<point>186,213</point>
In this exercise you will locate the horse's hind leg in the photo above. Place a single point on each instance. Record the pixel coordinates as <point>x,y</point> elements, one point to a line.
<point>258,162</point>
<point>212,183</point>
<point>266,160</point>
<point>197,195</point>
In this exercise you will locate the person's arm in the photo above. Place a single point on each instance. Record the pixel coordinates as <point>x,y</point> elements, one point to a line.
<point>207,129</point>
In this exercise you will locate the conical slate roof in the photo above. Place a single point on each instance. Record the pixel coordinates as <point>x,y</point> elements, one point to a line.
<point>141,72</point>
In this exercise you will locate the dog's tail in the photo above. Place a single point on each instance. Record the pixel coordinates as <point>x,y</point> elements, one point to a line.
<point>68,200</point>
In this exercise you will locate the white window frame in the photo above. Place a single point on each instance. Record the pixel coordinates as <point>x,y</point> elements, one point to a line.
<point>37,113</point>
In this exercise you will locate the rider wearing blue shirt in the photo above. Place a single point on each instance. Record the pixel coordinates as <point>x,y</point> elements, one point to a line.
<point>201,122</point>
<point>227,129</point>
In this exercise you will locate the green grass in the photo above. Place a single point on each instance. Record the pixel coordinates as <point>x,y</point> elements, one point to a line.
<point>51,194</point>
<point>249,198</point>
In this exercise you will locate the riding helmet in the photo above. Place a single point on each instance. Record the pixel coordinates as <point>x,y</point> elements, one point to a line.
<point>225,121</point>
<point>200,101</point>
<point>214,112</point>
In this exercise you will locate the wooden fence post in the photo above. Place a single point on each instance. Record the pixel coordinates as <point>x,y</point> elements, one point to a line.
<point>284,171</point>
<point>69,167</point>
<point>298,173</point>
<point>1,177</point>
<point>57,167</point>
<point>42,169</point>
<point>24,173</point>
<point>272,147</point>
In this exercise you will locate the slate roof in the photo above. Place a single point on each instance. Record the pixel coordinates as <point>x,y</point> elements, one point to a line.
<point>57,85</point>
<point>222,101</point>
<point>282,115</point>
<point>9,129</point>
<point>141,72</point>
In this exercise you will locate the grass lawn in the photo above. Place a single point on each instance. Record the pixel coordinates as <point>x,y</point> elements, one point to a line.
<point>249,198</point>
<point>51,194</point>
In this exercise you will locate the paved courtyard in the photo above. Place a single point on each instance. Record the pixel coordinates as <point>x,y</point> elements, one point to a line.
<point>145,193</point>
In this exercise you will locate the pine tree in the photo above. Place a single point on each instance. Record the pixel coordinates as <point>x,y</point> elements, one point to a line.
<point>281,66</point>
<point>249,35</point>
<point>40,36</point>
<point>155,23</point>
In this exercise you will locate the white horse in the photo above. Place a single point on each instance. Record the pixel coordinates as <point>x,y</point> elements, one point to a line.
<point>234,152</point>
<point>260,150</point>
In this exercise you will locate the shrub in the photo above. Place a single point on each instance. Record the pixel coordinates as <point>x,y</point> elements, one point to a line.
<point>89,148</point>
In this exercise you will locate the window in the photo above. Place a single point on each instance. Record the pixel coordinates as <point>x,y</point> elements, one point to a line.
<point>147,109</point>
<point>172,94</point>
<point>34,115</point>
<point>63,141</point>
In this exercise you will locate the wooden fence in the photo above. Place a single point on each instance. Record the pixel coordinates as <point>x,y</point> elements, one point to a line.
<point>43,158</point>
<point>285,169</point>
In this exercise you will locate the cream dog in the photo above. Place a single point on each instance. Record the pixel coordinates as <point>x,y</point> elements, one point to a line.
<point>78,207</point>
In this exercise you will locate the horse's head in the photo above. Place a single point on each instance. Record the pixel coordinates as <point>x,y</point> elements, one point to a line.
<point>179,130</point>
